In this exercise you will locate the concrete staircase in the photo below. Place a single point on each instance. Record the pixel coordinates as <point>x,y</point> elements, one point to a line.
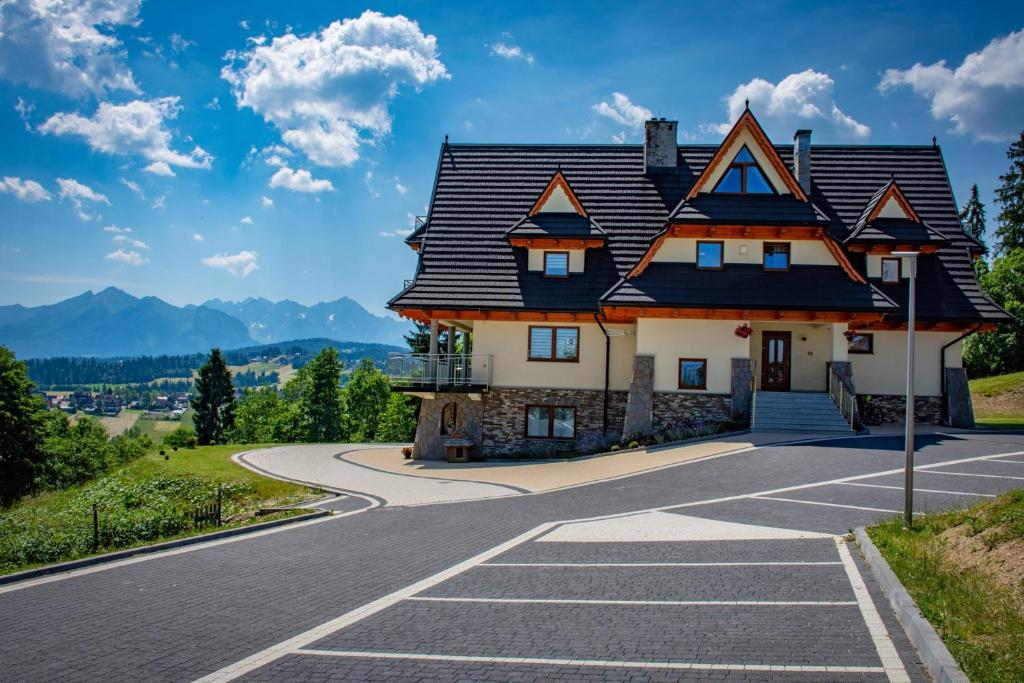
<point>797,412</point>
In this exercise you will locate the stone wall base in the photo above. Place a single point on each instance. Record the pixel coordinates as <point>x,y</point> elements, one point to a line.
<point>927,409</point>
<point>672,408</point>
<point>429,444</point>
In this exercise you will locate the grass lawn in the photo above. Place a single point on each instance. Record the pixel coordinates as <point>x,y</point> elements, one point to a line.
<point>147,501</point>
<point>999,401</point>
<point>965,571</point>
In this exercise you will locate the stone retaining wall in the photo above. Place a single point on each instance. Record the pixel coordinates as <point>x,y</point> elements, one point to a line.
<point>672,407</point>
<point>927,409</point>
<point>429,444</point>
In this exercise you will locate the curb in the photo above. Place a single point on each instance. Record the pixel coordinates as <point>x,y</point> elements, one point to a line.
<point>936,658</point>
<point>155,548</point>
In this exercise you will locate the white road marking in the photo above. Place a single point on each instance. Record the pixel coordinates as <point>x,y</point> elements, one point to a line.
<point>831,505</point>
<point>917,490</point>
<point>891,661</point>
<point>1009,462</point>
<point>599,663</point>
<point>274,652</point>
<point>668,526</point>
<point>641,603</point>
<point>658,564</point>
<point>974,474</point>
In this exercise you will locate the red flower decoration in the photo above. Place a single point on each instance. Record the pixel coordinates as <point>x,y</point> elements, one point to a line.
<point>743,331</point>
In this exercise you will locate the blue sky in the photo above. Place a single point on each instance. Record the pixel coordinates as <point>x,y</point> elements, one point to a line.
<point>192,150</point>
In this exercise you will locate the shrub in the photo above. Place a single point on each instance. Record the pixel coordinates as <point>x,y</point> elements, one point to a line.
<point>181,438</point>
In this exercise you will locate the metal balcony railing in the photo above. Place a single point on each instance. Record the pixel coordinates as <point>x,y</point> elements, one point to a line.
<point>439,371</point>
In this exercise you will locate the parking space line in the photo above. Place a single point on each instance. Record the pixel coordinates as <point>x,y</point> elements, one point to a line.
<point>597,663</point>
<point>973,474</point>
<point>658,564</point>
<point>642,603</point>
<point>917,490</point>
<point>831,505</point>
<point>891,661</point>
<point>601,664</point>
<point>1009,462</point>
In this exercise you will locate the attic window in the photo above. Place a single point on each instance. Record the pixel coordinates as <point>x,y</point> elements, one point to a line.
<point>556,264</point>
<point>744,176</point>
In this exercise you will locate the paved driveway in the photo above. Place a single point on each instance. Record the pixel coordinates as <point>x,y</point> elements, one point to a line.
<point>749,583</point>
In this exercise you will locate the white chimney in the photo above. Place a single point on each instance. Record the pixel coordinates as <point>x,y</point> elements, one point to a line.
<point>660,149</point>
<point>802,159</point>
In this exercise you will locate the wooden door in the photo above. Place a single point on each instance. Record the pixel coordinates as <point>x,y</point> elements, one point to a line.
<point>776,352</point>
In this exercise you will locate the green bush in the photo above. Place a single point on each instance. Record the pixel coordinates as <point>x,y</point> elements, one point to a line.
<point>182,437</point>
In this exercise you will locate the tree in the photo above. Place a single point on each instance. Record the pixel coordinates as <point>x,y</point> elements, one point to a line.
<point>1010,197</point>
<point>320,402</point>
<point>419,339</point>
<point>1001,351</point>
<point>398,423</point>
<point>21,441</point>
<point>262,416</point>
<point>973,216</point>
<point>364,400</point>
<point>214,401</point>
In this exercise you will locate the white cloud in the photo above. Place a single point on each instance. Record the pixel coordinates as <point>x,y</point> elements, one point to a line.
<point>130,241</point>
<point>179,43</point>
<point>128,258</point>
<point>508,50</point>
<point>66,47</point>
<point>368,181</point>
<point>983,96</point>
<point>266,202</point>
<point>399,232</point>
<point>25,190</point>
<point>25,110</point>
<point>325,90</point>
<point>244,23</point>
<point>160,202</point>
<point>399,187</point>
<point>247,220</point>
<point>623,112</point>
<point>299,181</point>
<point>133,186</point>
<point>135,128</point>
<point>115,229</point>
<point>240,265</point>
<point>197,237</point>
<point>799,100</point>
<point>274,160</point>
<point>213,105</point>
<point>78,194</point>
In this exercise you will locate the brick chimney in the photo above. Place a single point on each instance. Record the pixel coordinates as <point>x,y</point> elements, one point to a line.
<point>660,150</point>
<point>802,159</point>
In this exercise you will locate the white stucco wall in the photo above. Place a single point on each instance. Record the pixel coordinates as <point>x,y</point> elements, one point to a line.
<point>884,371</point>
<point>577,259</point>
<point>507,342</point>
<point>557,202</point>
<point>670,340</point>
<point>803,252</point>
<point>812,349</point>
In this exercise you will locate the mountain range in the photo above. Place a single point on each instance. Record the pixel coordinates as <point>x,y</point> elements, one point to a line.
<point>114,323</point>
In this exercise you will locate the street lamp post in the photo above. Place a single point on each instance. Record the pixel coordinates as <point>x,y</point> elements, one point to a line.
<point>908,434</point>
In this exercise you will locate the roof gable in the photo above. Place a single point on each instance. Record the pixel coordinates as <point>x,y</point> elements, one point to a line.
<point>747,132</point>
<point>558,197</point>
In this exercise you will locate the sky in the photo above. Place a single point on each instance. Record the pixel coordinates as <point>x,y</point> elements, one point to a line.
<point>191,150</point>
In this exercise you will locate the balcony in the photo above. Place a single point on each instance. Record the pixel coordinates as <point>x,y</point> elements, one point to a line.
<point>439,372</point>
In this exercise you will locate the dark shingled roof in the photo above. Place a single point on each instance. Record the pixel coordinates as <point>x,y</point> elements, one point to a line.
<point>748,210</point>
<point>899,230</point>
<point>802,288</point>
<point>557,225</point>
<point>482,190</point>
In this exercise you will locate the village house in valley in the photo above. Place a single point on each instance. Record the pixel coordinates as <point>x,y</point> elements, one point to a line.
<point>579,292</point>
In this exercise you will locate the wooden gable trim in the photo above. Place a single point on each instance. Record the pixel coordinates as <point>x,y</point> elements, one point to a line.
<point>840,256</point>
<point>558,180</point>
<point>557,242</point>
<point>889,248</point>
<point>749,123</point>
<point>425,315</point>
<point>894,192</point>
<point>629,314</point>
<point>922,326</point>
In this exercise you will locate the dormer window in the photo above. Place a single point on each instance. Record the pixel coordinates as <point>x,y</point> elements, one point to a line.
<point>744,176</point>
<point>556,264</point>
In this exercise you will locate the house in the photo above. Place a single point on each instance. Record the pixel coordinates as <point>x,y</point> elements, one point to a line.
<point>575,292</point>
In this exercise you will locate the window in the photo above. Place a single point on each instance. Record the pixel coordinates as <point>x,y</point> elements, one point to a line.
<point>890,270</point>
<point>554,343</point>
<point>550,422</point>
<point>556,264</point>
<point>776,256</point>
<point>449,417</point>
<point>744,176</point>
<point>862,343</point>
<point>709,255</point>
<point>693,373</point>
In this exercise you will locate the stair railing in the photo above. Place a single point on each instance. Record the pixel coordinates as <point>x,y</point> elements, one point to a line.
<point>840,390</point>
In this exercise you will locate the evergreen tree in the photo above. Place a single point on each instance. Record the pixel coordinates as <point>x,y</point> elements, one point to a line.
<point>364,399</point>
<point>214,401</point>
<point>1010,197</point>
<point>1001,351</point>
<point>321,398</point>
<point>419,339</point>
<point>21,424</point>
<point>398,423</point>
<point>973,216</point>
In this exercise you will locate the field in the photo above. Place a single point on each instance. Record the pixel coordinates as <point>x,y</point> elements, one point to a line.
<point>117,424</point>
<point>285,372</point>
<point>999,401</point>
<point>157,428</point>
<point>965,571</point>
